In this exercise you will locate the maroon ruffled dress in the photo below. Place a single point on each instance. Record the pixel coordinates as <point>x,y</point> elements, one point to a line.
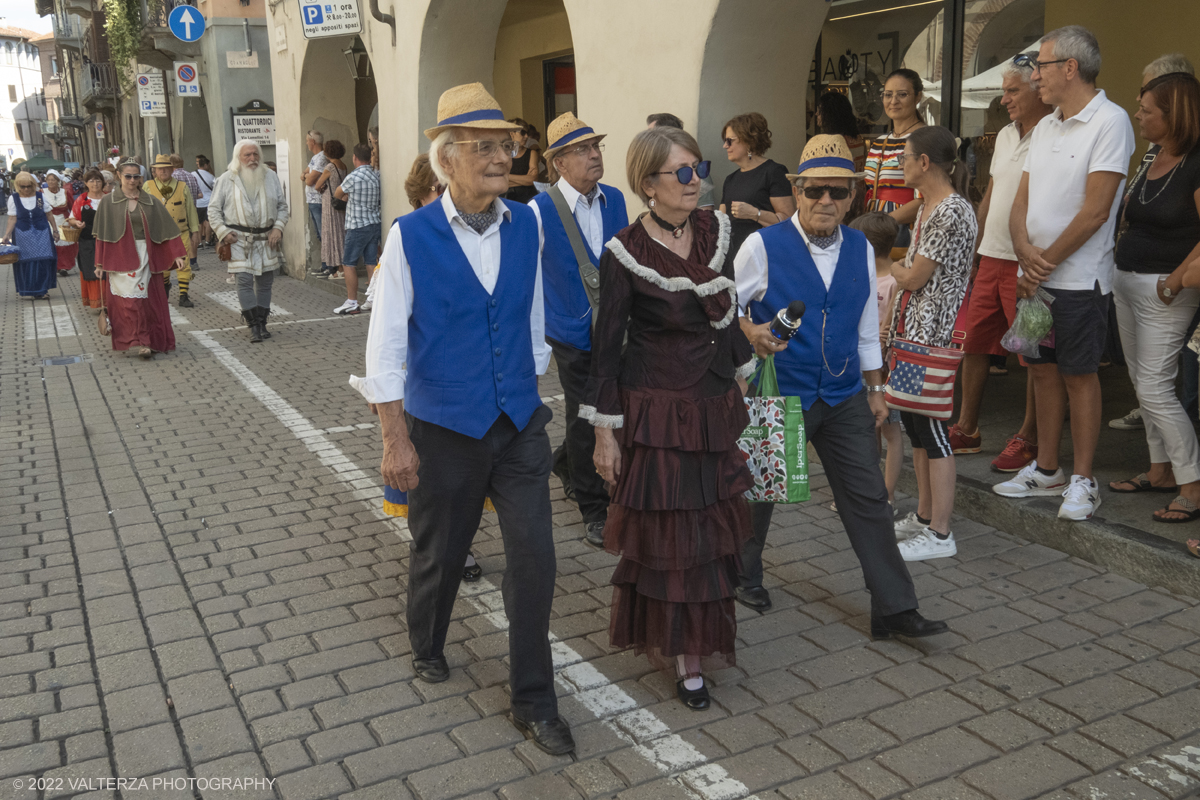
<point>677,516</point>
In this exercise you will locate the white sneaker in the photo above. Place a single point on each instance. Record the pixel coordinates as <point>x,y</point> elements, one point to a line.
<point>1080,500</point>
<point>348,307</point>
<point>365,306</point>
<point>1031,483</point>
<point>925,545</point>
<point>1130,422</point>
<point>908,526</point>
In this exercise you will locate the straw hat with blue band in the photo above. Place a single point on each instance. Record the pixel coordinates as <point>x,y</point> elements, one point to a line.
<point>567,130</point>
<point>826,156</point>
<point>469,106</point>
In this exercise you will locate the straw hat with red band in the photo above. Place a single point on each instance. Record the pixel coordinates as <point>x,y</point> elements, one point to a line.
<point>469,106</point>
<point>567,130</point>
<point>826,156</point>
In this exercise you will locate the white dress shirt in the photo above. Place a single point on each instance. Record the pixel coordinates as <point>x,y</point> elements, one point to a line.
<point>750,271</point>
<point>387,338</point>
<point>590,218</point>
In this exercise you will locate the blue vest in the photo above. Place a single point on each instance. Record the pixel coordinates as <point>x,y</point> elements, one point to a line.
<point>829,333</point>
<point>470,354</point>
<point>568,314</point>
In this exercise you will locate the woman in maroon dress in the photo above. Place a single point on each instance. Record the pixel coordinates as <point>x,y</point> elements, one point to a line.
<point>136,237</point>
<point>668,411</point>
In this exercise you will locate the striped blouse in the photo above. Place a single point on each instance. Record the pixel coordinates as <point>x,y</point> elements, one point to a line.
<point>882,157</point>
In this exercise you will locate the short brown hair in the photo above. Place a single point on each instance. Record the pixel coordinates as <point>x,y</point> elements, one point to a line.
<point>1177,95</point>
<point>880,229</point>
<point>176,161</point>
<point>752,129</point>
<point>93,174</point>
<point>420,181</point>
<point>649,150</point>
<point>334,149</point>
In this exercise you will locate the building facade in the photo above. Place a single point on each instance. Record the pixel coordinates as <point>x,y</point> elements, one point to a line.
<point>22,96</point>
<point>703,60</point>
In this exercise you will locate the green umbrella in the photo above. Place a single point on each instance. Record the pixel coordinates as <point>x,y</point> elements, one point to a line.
<point>40,164</point>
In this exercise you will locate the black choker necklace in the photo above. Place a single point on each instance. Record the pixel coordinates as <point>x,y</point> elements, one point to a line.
<point>676,230</point>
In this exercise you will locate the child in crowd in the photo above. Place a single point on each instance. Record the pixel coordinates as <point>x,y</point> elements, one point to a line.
<point>880,230</point>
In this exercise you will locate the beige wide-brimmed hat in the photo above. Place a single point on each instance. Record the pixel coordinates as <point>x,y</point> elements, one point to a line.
<point>566,130</point>
<point>161,160</point>
<point>826,156</point>
<point>469,106</point>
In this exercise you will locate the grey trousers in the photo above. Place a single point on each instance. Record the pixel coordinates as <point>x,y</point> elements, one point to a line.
<point>844,438</point>
<point>254,290</point>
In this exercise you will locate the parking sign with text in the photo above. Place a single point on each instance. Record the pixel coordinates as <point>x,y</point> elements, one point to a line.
<point>330,19</point>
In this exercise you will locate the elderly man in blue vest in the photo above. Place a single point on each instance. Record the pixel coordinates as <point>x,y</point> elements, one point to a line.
<point>834,365</point>
<point>453,353</point>
<point>576,216</point>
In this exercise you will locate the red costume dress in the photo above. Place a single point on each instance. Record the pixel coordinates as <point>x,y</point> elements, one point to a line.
<point>678,517</point>
<point>130,247</point>
<point>89,280</point>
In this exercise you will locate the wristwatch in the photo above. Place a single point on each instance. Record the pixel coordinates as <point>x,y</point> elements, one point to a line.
<point>1166,290</point>
<point>877,387</point>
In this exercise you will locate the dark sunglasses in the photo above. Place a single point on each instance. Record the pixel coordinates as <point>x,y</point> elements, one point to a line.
<point>817,192</point>
<point>728,141</point>
<point>684,174</point>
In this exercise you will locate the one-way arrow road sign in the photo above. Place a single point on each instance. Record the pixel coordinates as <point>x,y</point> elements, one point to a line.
<point>186,23</point>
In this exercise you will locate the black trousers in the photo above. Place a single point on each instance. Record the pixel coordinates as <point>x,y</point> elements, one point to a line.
<point>512,467</point>
<point>574,456</point>
<point>844,438</point>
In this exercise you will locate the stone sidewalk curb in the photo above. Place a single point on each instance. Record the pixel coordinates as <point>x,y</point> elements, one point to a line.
<point>1123,549</point>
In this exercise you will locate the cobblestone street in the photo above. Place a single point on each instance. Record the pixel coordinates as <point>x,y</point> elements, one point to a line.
<point>199,583</point>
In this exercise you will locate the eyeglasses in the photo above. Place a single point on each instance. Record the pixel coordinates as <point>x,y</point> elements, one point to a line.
<point>728,141</point>
<point>817,192</point>
<point>1023,60</point>
<point>585,149</point>
<point>902,157</point>
<point>488,148</point>
<point>684,174</point>
<point>131,177</point>
<point>901,95</point>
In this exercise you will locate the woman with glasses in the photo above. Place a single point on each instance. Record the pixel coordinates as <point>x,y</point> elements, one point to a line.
<point>933,279</point>
<point>886,189</point>
<point>758,192</point>
<point>82,217</point>
<point>667,408</point>
<point>31,228</point>
<point>525,165</point>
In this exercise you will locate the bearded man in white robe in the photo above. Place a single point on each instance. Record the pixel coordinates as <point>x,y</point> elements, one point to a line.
<point>247,212</point>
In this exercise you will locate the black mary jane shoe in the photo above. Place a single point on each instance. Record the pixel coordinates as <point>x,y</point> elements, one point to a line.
<point>906,623</point>
<point>432,670</point>
<point>472,573</point>
<point>552,736</point>
<point>697,699</point>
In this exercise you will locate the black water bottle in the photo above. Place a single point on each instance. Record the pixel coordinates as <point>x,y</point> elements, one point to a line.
<point>787,321</point>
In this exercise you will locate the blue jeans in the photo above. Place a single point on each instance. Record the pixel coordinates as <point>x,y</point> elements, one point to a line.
<point>314,211</point>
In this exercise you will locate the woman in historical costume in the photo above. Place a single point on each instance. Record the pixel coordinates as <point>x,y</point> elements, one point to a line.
<point>30,228</point>
<point>83,215</point>
<point>136,237</point>
<point>668,411</point>
<point>60,197</point>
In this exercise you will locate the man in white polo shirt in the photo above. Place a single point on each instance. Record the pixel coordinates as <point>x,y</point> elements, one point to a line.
<point>993,304</point>
<point>1062,231</point>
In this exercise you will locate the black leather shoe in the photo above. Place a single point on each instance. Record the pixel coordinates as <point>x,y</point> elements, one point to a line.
<point>432,670</point>
<point>595,534</point>
<point>472,573</point>
<point>251,317</point>
<point>696,700</point>
<point>184,302</point>
<point>263,313</point>
<point>551,736</point>
<point>755,597</point>
<point>906,623</point>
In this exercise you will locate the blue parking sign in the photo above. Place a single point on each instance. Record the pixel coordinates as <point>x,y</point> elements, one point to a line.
<point>313,15</point>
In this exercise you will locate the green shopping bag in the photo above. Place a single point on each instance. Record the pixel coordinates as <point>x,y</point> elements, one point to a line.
<point>773,443</point>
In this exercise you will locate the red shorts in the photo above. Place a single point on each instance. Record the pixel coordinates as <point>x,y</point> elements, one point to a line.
<point>993,306</point>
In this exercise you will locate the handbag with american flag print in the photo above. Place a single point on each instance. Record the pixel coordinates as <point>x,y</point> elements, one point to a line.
<point>921,378</point>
